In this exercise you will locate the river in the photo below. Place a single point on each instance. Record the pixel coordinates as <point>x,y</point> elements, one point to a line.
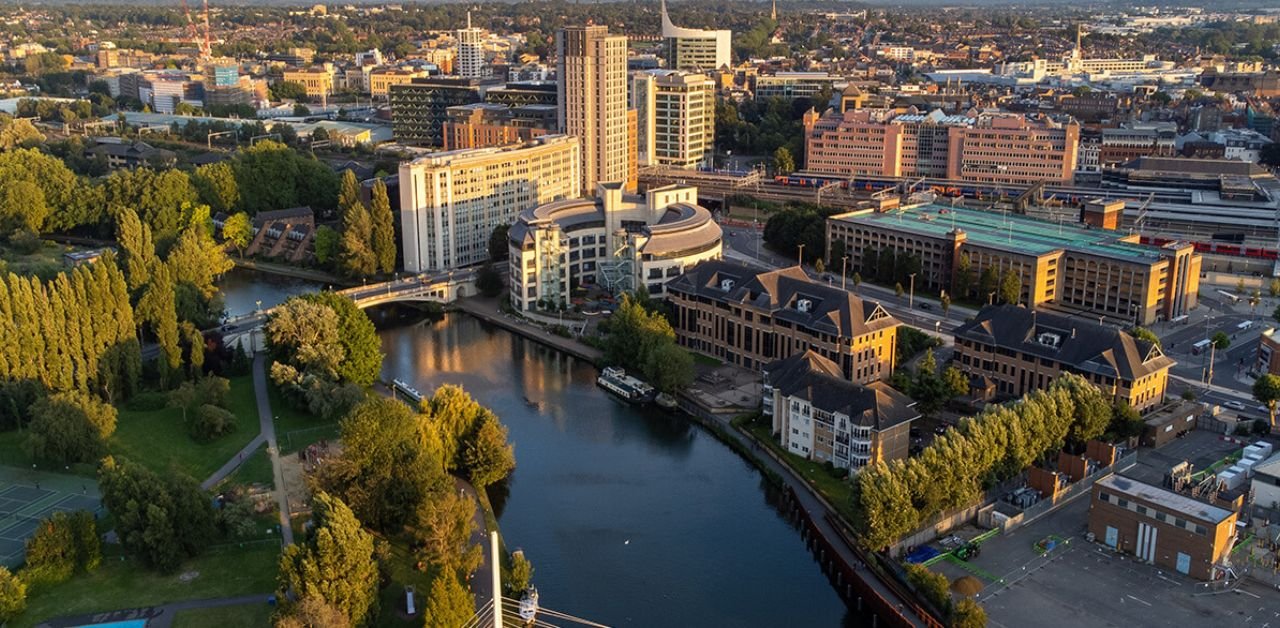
<point>630,517</point>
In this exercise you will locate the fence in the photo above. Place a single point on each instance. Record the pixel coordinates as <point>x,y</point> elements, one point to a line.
<point>1042,508</point>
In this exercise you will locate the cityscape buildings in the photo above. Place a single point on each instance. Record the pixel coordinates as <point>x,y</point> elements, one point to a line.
<point>676,117</point>
<point>470,59</point>
<point>592,101</point>
<point>694,49</point>
<point>450,202</point>
<point>618,241</point>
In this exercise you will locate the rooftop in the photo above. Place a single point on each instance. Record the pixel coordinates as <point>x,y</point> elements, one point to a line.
<point>820,381</point>
<point>1165,499</point>
<point>1011,232</point>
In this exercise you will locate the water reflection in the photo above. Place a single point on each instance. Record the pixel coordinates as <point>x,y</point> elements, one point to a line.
<point>631,517</point>
<point>242,289</point>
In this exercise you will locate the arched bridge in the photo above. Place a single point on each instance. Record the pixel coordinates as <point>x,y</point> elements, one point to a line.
<point>440,287</point>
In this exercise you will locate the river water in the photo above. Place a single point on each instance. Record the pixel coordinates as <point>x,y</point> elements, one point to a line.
<point>630,517</point>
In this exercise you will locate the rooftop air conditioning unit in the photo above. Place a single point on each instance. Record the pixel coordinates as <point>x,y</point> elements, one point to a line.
<point>726,284</point>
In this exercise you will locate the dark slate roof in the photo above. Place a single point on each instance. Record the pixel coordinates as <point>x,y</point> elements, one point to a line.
<point>285,215</point>
<point>1082,345</point>
<point>819,381</point>
<point>782,293</point>
<point>1193,166</point>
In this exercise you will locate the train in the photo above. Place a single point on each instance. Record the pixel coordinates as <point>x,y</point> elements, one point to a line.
<point>1219,248</point>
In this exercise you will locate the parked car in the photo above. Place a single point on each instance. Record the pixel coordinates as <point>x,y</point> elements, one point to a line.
<point>1234,405</point>
<point>926,306</point>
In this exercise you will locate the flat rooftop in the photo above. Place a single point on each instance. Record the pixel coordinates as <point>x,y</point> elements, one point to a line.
<point>1005,231</point>
<point>1164,498</point>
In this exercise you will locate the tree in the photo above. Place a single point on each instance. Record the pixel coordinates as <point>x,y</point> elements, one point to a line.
<point>326,244</point>
<point>955,382</point>
<point>195,259</point>
<point>1189,395</point>
<point>156,307</point>
<point>819,267</point>
<point>499,247</point>
<point>238,230</point>
<point>1145,335</point>
<point>16,133</point>
<point>384,231</point>
<point>964,276</point>
<point>443,526</point>
<point>356,257</point>
<point>968,614</point>
<point>520,576</point>
<point>783,161</point>
<point>669,367</point>
<point>1270,155</point>
<point>390,463</point>
<point>489,280</point>
<point>898,289</point>
<point>449,605</point>
<point>160,521</point>
<point>1240,286</point>
<point>359,339</point>
<point>217,187</point>
<point>300,110</point>
<point>1266,389</point>
<point>288,90</point>
<point>137,249</point>
<point>211,422</point>
<point>63,544</point>
<point>1274,288</point>
<point>1010,287</point>
<point>931,585</point>
<point>305,334</point>
<point>488,457</point>
<point>313,612</point>
<point>13,595</point>
<point>335,564</point>
<point>1220,340</point>
<point>1125,421</point>
<point>70,427</point>
<point>988,283</point>
<point>22,206</point>
<point>857,279</point>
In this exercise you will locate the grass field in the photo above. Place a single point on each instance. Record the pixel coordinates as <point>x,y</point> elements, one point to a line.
<point>403,572</point>
<point>122,584</point>
<point>249,615</point>
<point>297,428</point>
<point>255,470</point>
<point>837,491</point>
<point>158,439</point>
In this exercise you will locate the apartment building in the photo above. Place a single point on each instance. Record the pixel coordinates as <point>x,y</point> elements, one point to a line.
<point>1018,350</point>
<point>420,107</point>
<point>318,81</point>
<point>592,100</point>
<point>695,49</point>
<point>676,118</point>
<point>1161,527</point>
<point>1144,140</point>
<point>818,414</point>
<point>987,147</point>
<point>471,51</point>
<point>450,202</point>
<point>751,318</point>
<point>792,85</point>
<point>480,125</point>
<point>1074,267</point>
<point>621,242</point>
<point>380,80</point>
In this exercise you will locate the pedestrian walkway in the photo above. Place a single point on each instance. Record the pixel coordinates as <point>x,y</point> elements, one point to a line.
<point>481,583</point>
<point>266,421</point>
<point>490,311</point>
<point>234,463</point>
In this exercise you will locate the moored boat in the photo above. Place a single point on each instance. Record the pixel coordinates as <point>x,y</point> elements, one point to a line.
<point>615,380</point>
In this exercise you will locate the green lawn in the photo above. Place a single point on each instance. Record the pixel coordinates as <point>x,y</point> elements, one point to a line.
<point>224,617</point>
<point>707,360</point>
<point>402,566</point>
<point>121,584</point>
<point>158,439</point>
<point>297,428</point>
<point>255,470</point>
<point>838,492</point>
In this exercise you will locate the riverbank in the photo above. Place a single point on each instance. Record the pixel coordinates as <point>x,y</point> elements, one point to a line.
<point>856,576</point>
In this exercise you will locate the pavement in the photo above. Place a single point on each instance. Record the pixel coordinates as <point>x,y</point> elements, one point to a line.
<point>480,581</point>
<point>266,423</point>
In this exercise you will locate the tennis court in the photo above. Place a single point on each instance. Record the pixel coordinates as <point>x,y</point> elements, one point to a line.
<point>25,502</point>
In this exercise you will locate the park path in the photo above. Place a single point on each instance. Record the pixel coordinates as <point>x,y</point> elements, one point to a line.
<point>266,434</point>
<point>156,616</point>
<point>480,582</point>
<point>267,422</point>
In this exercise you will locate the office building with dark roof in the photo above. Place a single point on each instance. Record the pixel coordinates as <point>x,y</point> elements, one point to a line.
<point>1020,350</point>
<point>751,318</point>
<point>820,415</point>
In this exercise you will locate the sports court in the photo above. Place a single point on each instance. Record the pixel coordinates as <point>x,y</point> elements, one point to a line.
<point>27,498</point>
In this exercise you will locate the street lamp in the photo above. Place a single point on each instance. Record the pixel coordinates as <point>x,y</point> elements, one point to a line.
<point>911,296</point>
<point>991,298</point>
<point>844,271</point>
<point>259,304</point>
<point>800,258</point>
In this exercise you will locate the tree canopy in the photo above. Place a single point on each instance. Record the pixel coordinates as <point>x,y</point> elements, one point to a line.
<point>161,521</point>
<point>334,564</point>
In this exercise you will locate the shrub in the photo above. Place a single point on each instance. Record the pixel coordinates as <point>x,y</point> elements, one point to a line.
<point>147,401</point>
<point>62,546</point>
<point>210,422</point>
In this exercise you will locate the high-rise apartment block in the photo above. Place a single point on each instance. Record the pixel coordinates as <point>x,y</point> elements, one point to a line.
<point>592,101</point>
<point>450,202</point>
<point>986,147</point>
<point>676,118</point>
<point>471,51</point>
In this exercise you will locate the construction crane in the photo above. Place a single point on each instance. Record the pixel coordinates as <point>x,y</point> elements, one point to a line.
<point>193,32</point>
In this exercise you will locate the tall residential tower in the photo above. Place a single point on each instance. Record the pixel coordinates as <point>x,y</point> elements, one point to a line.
<point>592,102</point>
<point>471,51</point>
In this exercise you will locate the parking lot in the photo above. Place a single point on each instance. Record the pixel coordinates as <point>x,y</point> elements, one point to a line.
<point>1082,583</point>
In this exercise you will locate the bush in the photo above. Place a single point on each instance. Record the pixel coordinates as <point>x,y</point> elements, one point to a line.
<point>13,595</point>
<point>147,402</point>
<point>70,427</point>
<point>235,518</point>
<point>931,586</point>
<point>210,422</point>
<point>25,242</point>
<point>63,545</point>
